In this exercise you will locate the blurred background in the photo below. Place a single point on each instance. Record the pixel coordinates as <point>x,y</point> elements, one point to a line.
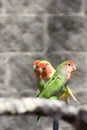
<point>54,30</point>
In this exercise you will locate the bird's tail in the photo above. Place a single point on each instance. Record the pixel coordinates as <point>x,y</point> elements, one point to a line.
<point>71,94</point>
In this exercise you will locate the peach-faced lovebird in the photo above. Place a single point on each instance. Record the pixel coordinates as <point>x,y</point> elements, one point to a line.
<point>56,86</point>
<point>44,71</point>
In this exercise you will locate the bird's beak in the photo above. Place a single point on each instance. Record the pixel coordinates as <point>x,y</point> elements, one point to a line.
<point>34,67</point>
<point>41,70</point>
<point>74,68</point>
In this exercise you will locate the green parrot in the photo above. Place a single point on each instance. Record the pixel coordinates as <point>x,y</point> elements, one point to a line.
<point>56,86</point>
<point>44,71</point>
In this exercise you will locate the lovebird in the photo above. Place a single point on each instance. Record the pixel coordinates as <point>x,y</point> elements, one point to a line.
<point>57,84</point>
<point>44,71</point>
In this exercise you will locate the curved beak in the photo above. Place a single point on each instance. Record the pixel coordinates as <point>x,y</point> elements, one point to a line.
<point>41,70</point>
<point>34,67</point>
<point>74,68</point>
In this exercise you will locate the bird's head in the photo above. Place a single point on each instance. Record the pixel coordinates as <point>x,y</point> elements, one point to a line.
<point>43,69</point>
<point>67,67</point>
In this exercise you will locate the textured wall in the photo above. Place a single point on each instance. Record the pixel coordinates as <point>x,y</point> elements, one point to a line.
<point>54,30</point>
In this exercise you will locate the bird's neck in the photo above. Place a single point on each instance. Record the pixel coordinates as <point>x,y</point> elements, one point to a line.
<point>65,75</point>
<point>68,75</point>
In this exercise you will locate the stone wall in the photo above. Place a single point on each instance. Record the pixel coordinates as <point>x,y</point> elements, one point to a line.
<point>53,30</point>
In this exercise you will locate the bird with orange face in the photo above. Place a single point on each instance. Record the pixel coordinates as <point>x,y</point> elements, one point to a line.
<point>44,71</point>
<point>56,86</point>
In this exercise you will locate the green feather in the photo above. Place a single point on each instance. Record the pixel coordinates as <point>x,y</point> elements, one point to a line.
<point>55,87</point>
<point>41,84</point>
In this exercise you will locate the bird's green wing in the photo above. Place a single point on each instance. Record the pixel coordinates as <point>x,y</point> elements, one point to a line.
<point>54,87</point>
<point>41,84</point>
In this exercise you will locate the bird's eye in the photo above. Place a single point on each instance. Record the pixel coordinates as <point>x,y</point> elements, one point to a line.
<point>68,64</point>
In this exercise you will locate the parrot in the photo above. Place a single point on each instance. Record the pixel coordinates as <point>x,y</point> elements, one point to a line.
<point>56,85</point>
<point>44,71</point>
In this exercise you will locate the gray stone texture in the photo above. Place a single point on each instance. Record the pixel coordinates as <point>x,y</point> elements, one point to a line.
<point>68,32</point>
<point>41,6</point>
<point>19,33</point>
<point>53,30</point>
